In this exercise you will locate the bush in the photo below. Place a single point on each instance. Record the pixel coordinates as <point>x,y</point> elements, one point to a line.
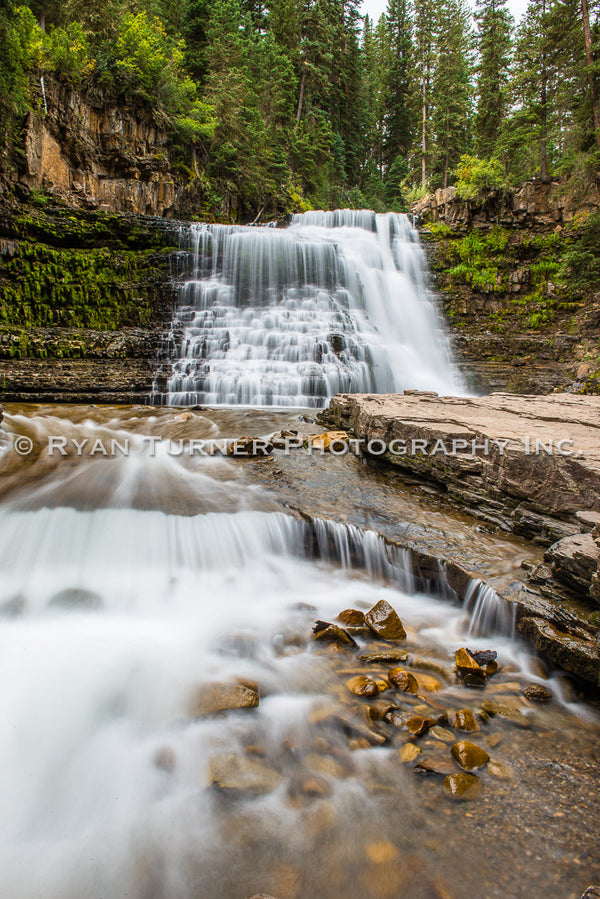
<point>67,53</point>
<point>475,175</point>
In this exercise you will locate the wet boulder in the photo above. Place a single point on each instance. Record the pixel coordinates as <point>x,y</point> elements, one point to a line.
<point>76,599</point>
<point>418,725</point>
<point>222,697</point>
<point>574,560</point>
<point>385,621</point>
<point>352,618</point>
<point>466,664</point>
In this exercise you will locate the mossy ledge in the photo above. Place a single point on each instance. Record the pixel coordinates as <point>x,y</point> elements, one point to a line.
<point>88,288</point>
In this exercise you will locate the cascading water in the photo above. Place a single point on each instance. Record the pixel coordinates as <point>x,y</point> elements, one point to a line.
<point>336,303</point>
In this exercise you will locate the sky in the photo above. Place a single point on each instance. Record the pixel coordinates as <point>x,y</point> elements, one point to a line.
<point>375,7</point>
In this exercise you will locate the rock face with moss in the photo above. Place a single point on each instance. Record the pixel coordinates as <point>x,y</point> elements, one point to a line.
<point>84,298</point>
<point>519,277</point>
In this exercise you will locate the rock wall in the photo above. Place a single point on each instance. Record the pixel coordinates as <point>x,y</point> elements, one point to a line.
<point>535,203</point>
<point>97,157</point>
<point>84,300</point>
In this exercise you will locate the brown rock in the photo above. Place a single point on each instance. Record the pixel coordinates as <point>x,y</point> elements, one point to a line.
<point>362,686</point>
<point>235,774</point>
<point>418,725</point>
<point>404,680</point>
<point>537,693</point>
<point>469,756</point>
<point>573,561</point>
<point>221,697</point>
<point>324,632</point>
<point>465,720</point>
<point>381,656</point>
<point>462,786</point>
<point>409,752</point>
<point>466,664</point>
<point>385,622</point>
<point>352,618</point>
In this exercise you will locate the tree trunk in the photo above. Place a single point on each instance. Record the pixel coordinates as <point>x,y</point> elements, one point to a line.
<point>43,19</point>
<point>587,38</point>
<point>301,97</point>
<point>424,131</point>
<point>544,127</point>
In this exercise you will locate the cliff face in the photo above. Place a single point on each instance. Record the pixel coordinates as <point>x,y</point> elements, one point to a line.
<point>501,266</point>
<point>97,157</point>
<point>84,300</point>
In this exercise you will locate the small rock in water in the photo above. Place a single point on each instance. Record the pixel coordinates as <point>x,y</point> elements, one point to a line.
<point>418,725</point>
<point>381,853</point>
<point>235,774</point>
<point>352,618</point>
<point>164,758</point>
<point>428,683</point>
<point>507,712</point>
<point>325,632</point>
<point>474,681</point>
<point>362,686</point>
<point>76,600</point>
<point>465,720</point>
<point>469,756</point>
<point>462,786</point>
<point>537,693</point>
<point>483,656</point>
<point>500,770</point>
<point>404,680</point>
<point>382,656</point>
<point>312,786</point>
<point>466,664</point>
<point>330,441</point>
<point>250,446</point>
<point>409,752</point>
<point>441,733</point>
<point>221,697</point>
<point>385,622</point>
<point>434,764</point>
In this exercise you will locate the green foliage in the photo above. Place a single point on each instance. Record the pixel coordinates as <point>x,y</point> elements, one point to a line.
<point>66,52</point>
<point>494,43</point>
<point>580,264</point>
<point>476,175</point>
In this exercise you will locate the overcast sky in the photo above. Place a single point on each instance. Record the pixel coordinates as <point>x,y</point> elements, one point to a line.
<point>375,7</point>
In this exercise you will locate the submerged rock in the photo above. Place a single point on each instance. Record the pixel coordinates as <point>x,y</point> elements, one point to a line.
<point>409,752</point>
<point>462,786</point>
<point>76,599</point>
<point>418,725</point>
<point>362,686</point>
<point>385,621</point>
<point>436,764</point>
<point>235,774</point>
<point>469,756</point>
<point>249,447</point>
<point>442,734</point>
<point>537,693</point>
<point>507,712</point>
<point>381,656</point>
<point>465,720</point>
<point>404,680</point>
<point>221,697</point>
<point>330,441</point>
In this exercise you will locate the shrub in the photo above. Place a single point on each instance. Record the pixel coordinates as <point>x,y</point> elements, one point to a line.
<point>475,175</point>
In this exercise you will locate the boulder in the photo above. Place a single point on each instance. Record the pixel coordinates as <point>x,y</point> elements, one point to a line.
<point>404,680</point>
<point>361,685</point>
<point>574,561</point>
<point>465,720</point>
<point>324,632</point>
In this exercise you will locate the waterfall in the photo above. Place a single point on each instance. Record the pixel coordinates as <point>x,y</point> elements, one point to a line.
<point>338,302</point>
<point>488,613</point>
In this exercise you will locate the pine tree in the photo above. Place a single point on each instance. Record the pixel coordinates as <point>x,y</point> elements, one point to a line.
<point>494,41</point>
<point>452,87</point>
<point>398,115</point>
<point>426,23</point>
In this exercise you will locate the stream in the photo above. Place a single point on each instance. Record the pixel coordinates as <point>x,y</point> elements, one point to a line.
<point>133,582</point>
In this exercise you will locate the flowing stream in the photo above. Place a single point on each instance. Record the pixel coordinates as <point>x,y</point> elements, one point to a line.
<point>128,581</point>
<point>338,302</point>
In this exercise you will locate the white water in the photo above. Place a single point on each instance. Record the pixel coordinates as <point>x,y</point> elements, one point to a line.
<point>337,303</point>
